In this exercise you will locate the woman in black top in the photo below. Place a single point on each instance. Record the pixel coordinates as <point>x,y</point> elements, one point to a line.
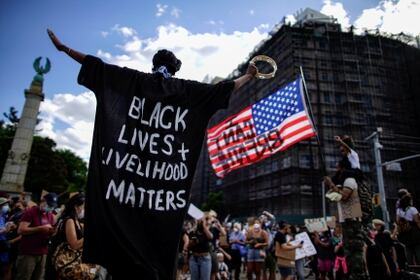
<point>200,260</point>
<point>70,230</point>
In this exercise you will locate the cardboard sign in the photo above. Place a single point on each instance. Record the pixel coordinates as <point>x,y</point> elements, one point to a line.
<point>316,224</point>
<point>308,249</point>
<point>331,221</point>
<point>195,212</point>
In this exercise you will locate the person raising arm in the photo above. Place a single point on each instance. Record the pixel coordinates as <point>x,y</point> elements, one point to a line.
<point>79,57</point>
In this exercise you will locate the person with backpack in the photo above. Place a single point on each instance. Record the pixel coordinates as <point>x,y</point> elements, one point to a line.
<point>350,164</point>
<point>350,218</point>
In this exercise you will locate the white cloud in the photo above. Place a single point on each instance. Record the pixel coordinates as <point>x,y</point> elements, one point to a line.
<point>124,30</point>
<point>75,113</point>
<point>161,9</point>
<point>251,12</point>
<point>104,34</point>
<point>214,54</point>
<point>392,17</point>
<point>337,11</point>
<point>68,119</point>
<point>175,12</point>
<point>263,26</point>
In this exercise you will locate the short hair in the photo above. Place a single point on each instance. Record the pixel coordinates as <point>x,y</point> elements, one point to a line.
<point>348,141</point>
<point>168,59</point>
<point>283,224</point>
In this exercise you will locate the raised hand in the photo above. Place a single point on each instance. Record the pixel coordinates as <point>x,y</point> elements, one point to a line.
<point>57,43</point>
<point>252,70</point>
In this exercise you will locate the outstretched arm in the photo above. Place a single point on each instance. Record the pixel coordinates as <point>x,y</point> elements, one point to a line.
<point>341,142</point>
<point>249,75</point>
<point>76,55</point>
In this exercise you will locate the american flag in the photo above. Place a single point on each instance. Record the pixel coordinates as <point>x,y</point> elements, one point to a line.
<point>272,124</point>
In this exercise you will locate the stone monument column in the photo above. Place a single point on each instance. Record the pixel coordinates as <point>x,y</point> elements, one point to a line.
<point>13,178</point>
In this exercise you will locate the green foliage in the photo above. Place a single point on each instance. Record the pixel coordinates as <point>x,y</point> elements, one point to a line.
<point>76,170</point>
<point>49,169</point>
<point>214,202</point>
<point>46,169</point>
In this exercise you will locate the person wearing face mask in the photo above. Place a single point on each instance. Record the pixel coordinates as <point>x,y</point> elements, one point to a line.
<point>70,231</point>
<point>13,238</point>
<point>200,247</point>
<point>4,244</point>
<point>36,228</point>
<point>257,240</point>
<point>237,241</point>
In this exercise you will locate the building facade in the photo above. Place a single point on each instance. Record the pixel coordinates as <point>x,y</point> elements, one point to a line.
<point>355,84</point>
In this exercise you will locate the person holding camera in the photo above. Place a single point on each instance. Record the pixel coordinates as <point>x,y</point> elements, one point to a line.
<point>200,247</point>
<point>36,228</point>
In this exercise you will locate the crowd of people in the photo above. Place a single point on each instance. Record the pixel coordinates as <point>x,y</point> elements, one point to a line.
<point>212,250</point>
<point>44,241</point>
<point>34,238</point>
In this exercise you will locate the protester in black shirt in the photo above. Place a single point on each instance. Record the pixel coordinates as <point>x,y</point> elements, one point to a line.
<point>326,255</point>
<point>376,263</point>
<point>383,239</point>
<point>285,250</point>
<point>200,247</point>
<point>148,134</point>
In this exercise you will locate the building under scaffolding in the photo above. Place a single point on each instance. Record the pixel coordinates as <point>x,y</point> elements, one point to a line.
<point>356,83</point>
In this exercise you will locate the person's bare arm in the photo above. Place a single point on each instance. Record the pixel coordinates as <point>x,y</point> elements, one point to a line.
<point>289,247</point>
<point>345,191</point>
<point>249,75</point>
<point>76,55</point>
<point>186,240</point>
<point>227,256</point>
<point>341,142</point>
<point>206,230</point>
<point>220,228</point>
<point>25,229</point>
<point>71,235</point>
<point>269,215</point>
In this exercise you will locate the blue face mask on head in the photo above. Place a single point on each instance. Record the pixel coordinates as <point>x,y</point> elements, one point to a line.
<point>5,209</point>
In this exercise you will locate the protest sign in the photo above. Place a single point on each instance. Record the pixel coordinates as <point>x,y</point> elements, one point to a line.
<point>308,249</point>
<point>195,212</point>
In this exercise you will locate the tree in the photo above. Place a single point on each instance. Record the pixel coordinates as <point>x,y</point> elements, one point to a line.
<point>49,169</point>
<point>7,132</point>
<point>46,168</point>
<point>214,202</point>
<point>76,170</point>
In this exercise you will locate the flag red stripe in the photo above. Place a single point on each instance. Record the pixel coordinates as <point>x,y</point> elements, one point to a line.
<point>214,145</point>
<point>221,171</point>
<point>227,122</point>
<point>249,151</point>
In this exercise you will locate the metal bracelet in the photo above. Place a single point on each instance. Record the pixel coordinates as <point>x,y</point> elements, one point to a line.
<point>270,61</point>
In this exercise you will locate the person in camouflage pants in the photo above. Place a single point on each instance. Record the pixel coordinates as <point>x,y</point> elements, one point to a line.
<point>354,243</point>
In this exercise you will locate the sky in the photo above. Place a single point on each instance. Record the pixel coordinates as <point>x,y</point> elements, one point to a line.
<point>210,37</point>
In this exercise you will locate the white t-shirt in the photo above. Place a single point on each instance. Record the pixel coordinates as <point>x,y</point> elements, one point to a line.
<point>354,159</point>
<point>408,214</point>
<point>350,208</point>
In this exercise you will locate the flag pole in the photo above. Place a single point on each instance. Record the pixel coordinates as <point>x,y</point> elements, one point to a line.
<point>308,102</point>
<point>321,154</point>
